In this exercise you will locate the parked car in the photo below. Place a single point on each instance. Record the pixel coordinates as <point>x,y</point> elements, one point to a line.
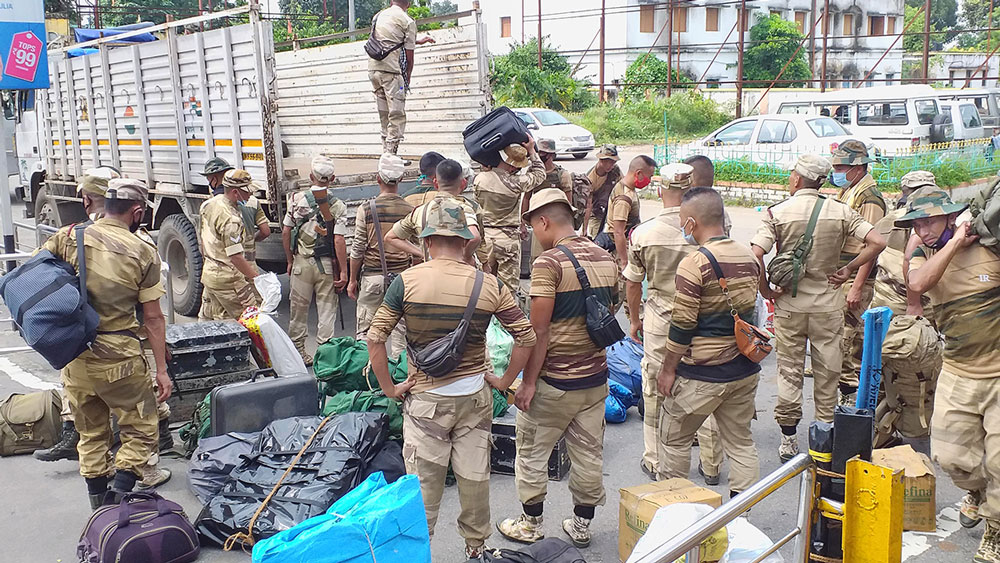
<point>895,117</point>
<point>965,119</point>
<point>986,100</point>
<point>771,139</point>
<point>548,124</point>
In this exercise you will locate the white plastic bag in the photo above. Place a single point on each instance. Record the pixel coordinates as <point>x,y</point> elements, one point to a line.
<point>269,289</point>
<point>747,543</point>
<point>285,359</point>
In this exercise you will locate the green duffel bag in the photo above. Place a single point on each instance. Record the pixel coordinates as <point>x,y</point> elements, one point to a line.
<point>30,422</point>
<point>367,401</point>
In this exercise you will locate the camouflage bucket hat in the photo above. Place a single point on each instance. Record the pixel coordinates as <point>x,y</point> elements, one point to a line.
<point>608,152</point>
<point>446,218</point>
<point>216,165</point>
<point>928,202</point>
<point>852,153</point>
<point>239,179</point>
<point>546,145</point>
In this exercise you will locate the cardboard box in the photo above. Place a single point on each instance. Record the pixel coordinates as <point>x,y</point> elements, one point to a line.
<point>639,504</point>
<point>919,502</point>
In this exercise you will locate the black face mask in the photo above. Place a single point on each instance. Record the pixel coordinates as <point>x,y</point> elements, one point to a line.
<point>134,226</point>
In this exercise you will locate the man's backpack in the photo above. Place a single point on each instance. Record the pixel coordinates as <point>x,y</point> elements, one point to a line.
<point>786,269</point>
<point>48,302</point>
<point>985,209</point>
<point>548,550</point>
<point>375,47</point>
<point>29,422</point>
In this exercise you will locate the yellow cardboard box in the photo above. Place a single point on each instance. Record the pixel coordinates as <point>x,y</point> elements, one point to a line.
<point>639,504</point>
<point>919,503</point>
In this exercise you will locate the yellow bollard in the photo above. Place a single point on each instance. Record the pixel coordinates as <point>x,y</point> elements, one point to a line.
<point>873,514</point>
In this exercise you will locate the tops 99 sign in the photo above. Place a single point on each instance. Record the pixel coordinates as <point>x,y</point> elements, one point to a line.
<point>24,62</point>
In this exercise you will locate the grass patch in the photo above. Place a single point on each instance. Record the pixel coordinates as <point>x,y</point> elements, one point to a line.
<point>689,115</point>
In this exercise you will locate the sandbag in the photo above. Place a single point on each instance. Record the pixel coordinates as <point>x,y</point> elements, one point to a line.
<point>625,364</point>
<point>985,209</point>
<point>215,459</point>
<point>368,401</point>
<point>333,464</point>
<point>376,521</point>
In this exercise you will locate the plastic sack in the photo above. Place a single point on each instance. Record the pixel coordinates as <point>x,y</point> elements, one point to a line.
<point>765,314</point>
<point>374,522</point>
<point>625,364</point>
<point>747,543</point>
<point>269,288</point>
<point>275,347</point>
<point>499,345</point>
<point>617,403</point>
<point>215,459</point>
<point>500,404</point>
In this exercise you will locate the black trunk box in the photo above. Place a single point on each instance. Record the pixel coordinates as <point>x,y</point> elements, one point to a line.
<point>207,348</point>
<point>504,449</point>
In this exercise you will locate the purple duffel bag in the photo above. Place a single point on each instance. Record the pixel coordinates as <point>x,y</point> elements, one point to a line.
<point>145,528</point>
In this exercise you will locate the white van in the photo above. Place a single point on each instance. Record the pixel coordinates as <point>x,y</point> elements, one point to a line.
<point>965,119</point>
<point>986,100</point>
<point>896,118</point>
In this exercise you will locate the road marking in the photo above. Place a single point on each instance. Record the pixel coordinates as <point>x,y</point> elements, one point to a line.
<point>915,543</point>
<point>26,379</point>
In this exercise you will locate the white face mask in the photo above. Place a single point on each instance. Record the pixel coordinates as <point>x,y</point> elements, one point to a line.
<point>688,237</point>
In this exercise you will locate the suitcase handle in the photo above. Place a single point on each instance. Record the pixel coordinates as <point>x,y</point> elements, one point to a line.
<point>266,371</point>
<point>488,143</point>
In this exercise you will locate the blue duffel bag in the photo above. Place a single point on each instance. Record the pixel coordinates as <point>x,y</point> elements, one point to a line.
<point>374,522</point>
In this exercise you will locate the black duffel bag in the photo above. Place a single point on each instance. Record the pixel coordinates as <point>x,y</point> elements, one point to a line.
<point>548,550</point>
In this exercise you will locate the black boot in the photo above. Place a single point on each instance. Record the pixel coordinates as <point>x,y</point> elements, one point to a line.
<point>97,490</point>
<point>166,439</point>
<point>123,484</point>
<point>65,448</point>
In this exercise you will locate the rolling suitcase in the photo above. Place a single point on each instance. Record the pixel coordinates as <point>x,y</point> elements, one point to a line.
<point>250,406</point>
<point>485,137</point>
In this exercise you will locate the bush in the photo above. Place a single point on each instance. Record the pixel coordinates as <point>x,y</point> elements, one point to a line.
<point>688,115</point>
<point>773,42</point>
<point>646,70</point>
<point>518,82</point>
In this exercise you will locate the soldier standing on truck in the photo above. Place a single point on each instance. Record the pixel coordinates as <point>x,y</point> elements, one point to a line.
<point>390,76</point>
<point>311,259</point>
<point>227,275</point>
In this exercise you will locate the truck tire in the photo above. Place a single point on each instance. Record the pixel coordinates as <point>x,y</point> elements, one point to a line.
<point>45,209</point>
<point>178,246</point>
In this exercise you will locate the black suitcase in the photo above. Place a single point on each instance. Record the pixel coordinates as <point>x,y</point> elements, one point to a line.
<point>207,348</point>
<point>485,137</point>
<point>252,405</point>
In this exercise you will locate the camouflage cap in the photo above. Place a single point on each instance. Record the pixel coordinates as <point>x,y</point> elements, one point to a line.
<point>238,179</point>
<point>446,218</point>
<point>322,168</point>
<point>391,168</point>
<point>216,165</point>
<point>548,196</point>
<point>928,202</point>
<point>917,179</point>
<point>851,152</point>
<point>95,180</point>
<point>546,145</point>
<point>812,167</point>
<point>127,188</point>
<point>516,156</point>
<point>677,176</point>
<point>608,152</point>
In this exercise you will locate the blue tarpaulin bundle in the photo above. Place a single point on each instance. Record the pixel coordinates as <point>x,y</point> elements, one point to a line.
<point>374,522</point>
<point>82,34</point>
<point>625,364</point>
<point>618,402</point>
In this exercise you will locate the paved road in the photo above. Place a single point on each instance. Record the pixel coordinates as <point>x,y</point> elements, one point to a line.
<point>45,504</point>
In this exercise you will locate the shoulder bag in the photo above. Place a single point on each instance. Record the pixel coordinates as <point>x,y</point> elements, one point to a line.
<point>785,269</point>
<point>754,343</point>
<point>602,325</point>
<point>442,356</point>
<point>387,276</point>
<point>375,47</point>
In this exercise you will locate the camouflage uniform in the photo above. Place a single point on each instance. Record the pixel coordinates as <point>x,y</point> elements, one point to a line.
<point>601,187</point>
<point>447,419</point>
<point>253,217</point>
<point>113,376</point>
<point>312,269</point>
<point>227,291</point>
<point>410,227</point>
<point>816,313</point>
<point>393,26</point>
<point>559,178</point>
<point>865,198</point>
<point>499,193</point>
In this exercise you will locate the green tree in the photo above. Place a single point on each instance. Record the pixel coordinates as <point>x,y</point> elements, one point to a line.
<point>517,80</point>
<point>975,15</point>
<point>124,12</point>
<point>944,13</point>
<point>649,70</point>
<point>773,42</point>
<point>61,9</point>
<point>913,41</point>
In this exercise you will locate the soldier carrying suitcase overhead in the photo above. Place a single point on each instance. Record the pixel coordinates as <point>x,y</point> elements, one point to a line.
<point>113,376</point>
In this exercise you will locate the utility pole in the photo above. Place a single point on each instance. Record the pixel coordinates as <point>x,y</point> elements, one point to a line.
<point>670,46</point>
<point>927,39</point>
<point>989,26</point>
<point>540,34</point>
<point>522,22</point>
<point>351,17</point>
<point>826,32</point>
<point>812,45</point>
<point>603,95</point>
<point>740,22</point>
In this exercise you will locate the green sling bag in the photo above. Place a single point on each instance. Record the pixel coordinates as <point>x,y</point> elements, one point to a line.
<point>786,268</point>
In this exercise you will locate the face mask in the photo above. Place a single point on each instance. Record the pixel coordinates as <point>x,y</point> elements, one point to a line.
<point>943,239</point>
<point>688,238</point>
<point>642,182</point>
<point>134,226</point>
<point>839,179</point>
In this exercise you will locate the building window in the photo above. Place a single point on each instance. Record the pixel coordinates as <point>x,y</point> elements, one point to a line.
<point>647,16</point>
<point>746,20</point>
<point>889,76</point>
<point>776,13</point>
<point>890,25</point>
<point>876,25</point>
<point>711,19</point>
<point>680,23</point>
<point>505,26</point>
<point>849,25</point>
<point>951,78</point>
<point>800,22</point>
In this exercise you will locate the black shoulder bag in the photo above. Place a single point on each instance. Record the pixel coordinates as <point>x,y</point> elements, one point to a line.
<point>387,277</point>
<point>377,49</point>
<point>442,356</point>
<point>602,325</point>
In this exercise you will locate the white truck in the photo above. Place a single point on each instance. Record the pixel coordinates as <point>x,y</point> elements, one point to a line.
<point>158,111</point>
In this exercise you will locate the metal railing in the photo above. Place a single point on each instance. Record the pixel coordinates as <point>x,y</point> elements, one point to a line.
<point>689,541</point>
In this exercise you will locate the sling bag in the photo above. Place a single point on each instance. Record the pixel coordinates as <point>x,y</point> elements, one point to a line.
<point>754,343</point>
<point>785,269</point>
<point>375,47</point>
<point>441,356</point>
<point>387,277</point>
<point>602,326</point>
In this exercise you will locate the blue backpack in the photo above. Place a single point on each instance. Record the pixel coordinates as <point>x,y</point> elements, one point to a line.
<point>48,301</point>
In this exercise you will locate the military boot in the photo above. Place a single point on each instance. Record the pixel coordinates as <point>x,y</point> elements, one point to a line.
<point>968,512</point>
<point>788,449</point>
<point>523,529</point>
<point>152,477</point>
<point>989,547</point>
<point>166,439</point>
<point>65,448</point>
<point>578,530</point>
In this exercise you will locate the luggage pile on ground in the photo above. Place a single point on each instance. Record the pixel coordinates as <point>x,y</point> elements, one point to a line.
<point>624,379</point>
